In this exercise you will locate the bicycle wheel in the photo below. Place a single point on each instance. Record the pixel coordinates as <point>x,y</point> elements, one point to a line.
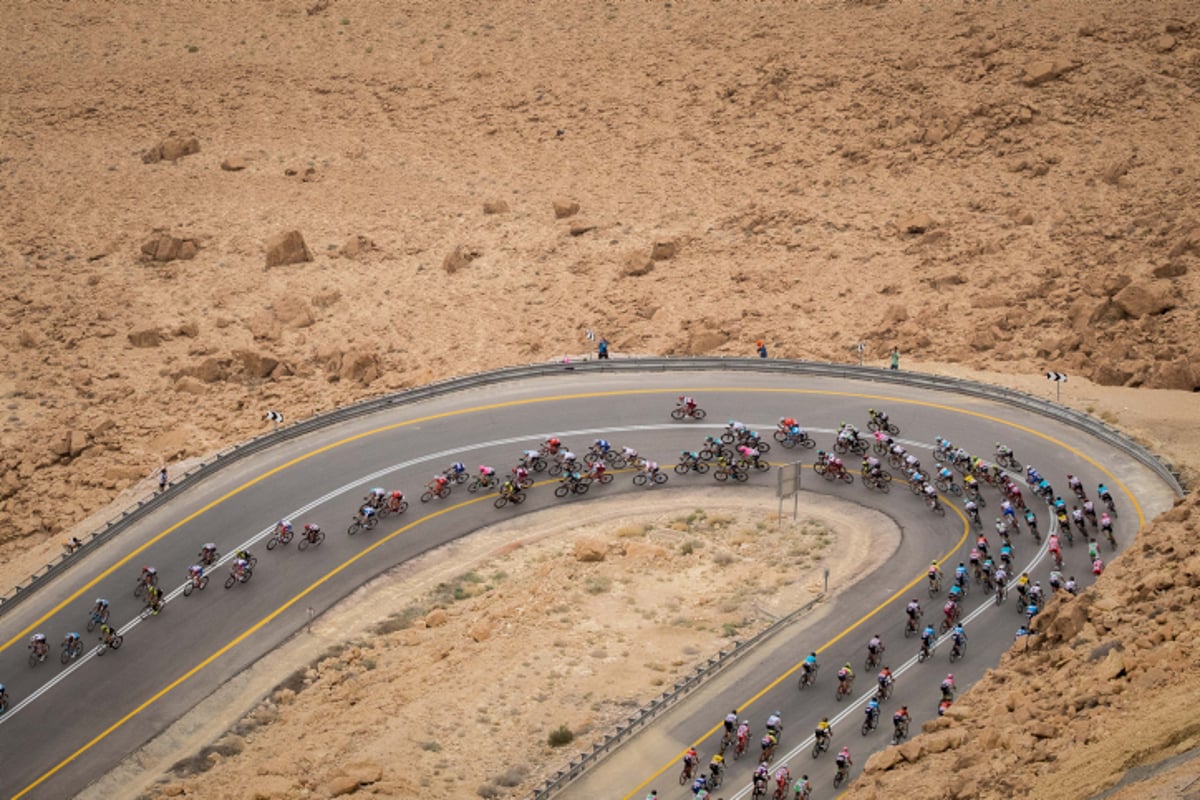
<point>91,623</point>
<point>188,587</point>
<point>139,591</point>
<point>720,474</point>
<point>580,488</point>
<point>371,523</point>
<point>923,654</point>
<point>66,655</point>
<point>33,659</point>
<point>302,545</point>
<point>699,413</point>
<point>473,486</point>
<point>117,642</point>
<point>639,479</point>
<point>354,528</point>
<point>500,502</point>
<point>682,469</point>
<point>230,581</point>
<point>562,490</point>
<point>426,497</point>
<point>866,727</point>
<point>700,467</point>
<point>847,477</point>
<point>660,477</point>
<point>274,540</point>
<point>677,414</point>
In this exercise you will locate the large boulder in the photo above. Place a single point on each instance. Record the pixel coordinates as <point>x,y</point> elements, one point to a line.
<point>287,248</point>
<point>1177,374</point>
<point>164,247</point>
<point>171,148</point>
<point>256,365</point>
<point>1144,297</point>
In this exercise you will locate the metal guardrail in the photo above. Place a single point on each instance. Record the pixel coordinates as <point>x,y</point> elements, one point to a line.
<point>666,700</point>
<point>236,452</point>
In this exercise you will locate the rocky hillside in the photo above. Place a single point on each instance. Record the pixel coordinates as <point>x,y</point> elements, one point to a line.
<point>212,215</point>
<point>1103,696</point>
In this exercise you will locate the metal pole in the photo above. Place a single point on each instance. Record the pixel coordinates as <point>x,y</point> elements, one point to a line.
<point>827,580</point>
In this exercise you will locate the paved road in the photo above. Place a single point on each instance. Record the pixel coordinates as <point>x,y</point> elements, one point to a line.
<point>72,723</point>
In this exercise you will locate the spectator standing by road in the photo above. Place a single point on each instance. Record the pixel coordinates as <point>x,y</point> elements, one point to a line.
<point>762,349</point>
<point>895,357</point>
<point>162,479</point>
<point>602,348</point>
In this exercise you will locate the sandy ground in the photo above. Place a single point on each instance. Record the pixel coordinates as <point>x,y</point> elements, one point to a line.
<point>524,609</point>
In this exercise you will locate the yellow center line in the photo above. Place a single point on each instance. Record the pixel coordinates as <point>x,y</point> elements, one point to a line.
<point>476,409</point>
<point>758,696</point>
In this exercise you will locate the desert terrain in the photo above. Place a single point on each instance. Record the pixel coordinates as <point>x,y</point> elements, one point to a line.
<point>218,209</point>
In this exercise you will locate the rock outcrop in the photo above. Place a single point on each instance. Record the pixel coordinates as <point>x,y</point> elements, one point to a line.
<point>164,247</point>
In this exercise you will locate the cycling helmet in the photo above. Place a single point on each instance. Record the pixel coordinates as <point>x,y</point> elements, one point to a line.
<point>848,665</point>
<point>681,398</point>
<point>778,714</point>
<point>950,676</point>
<point>871,411</point>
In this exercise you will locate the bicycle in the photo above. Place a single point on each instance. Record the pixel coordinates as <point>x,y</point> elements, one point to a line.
<point>38,654</point>
<point>567,487</point>
<point>281,535</point>
<point>935,585</point>
<point>926,652</point>
<point>821,743</point>
<point>71,650</point>
<point>843,771</point>
<point>843,689</point>
<point>726,741</point>
<point>361,523</point>
<point>682,412</point>
<point>643,479</point>
<point>1001,593</point>
<point>313,538</point>
<point>871,722</point>
<point>95,619</point>
<point>114,642</point>
<point>899,731</point>
<point>516,498</point>
<point>808,676</point>
<point>443,492</point>
<point>478,483</point>
<point>686,774</point>
<point>723,473</point>
<point>873,659</point>
<point>193,584</point>
<point>233,578</point>
<point>958,651</point>
<point>684,467</point>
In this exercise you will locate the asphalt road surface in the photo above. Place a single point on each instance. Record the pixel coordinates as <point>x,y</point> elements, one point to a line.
<point>69,724</point>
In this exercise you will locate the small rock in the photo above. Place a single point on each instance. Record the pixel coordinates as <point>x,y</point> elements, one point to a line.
<point>1172,269</point>
<point>565,208</point>
<point>165,247</point>
<point>287,248</point>
<point>495,207</point>
<point>976,138</point>
<point>1114,171</point>
<point>356,246</point>
<point>663,251</point>
<point>340,785</point>
<point>1023,217</point>
<point>458,258</point>
<point>1165,43</point>
<point>172,148</point>
<point>189,329</point>
<point>637,264</point>
<point>915,224</point>
<point>481,631</point>
<point>256,365</point>
<point>1113,666</point>
<point>1188,243</point>
<point>436,618</point>
<point>580,230</point>
<point>150,337</point>
<point>590,550</point>
<point>233,164</point>
<point>1040,72</point>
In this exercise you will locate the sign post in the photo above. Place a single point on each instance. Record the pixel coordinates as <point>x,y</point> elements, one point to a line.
<point>275,418</point>
<point>1059,379</point>
<point>788,485</point>
<point>862,346</point>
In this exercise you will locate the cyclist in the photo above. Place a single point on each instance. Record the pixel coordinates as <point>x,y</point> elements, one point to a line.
<point>649,469</point>
<point>948,687</point>
<point>37,643</point>
<point>311,530</point>
<point>107,634</point>
<point>154,599</point>
<point>284,526</point>
<point>1035,593</point>
<point>775,725</point>
<point>600,448</point>
<point>1105,496</point>
<point>395,500</point>
<point>982,544</point>
<point>688,404</point>
<point>700,787</point>
<point>959,637</point>
<point>150,576</point>
<point>761,775</point>
<point>100,607</point>
<point>871,711</point>
<point>843,759</point>
<point>1076,485</point>
<point>630,455</point>
<point>1031,521</point>
<point>529,458</point>
<point>768,747</point>
<point>375,498</point>
<point>802,788</point>
<point>783,777</point>
<point>715,766</point>
<point>884,679</point>
<point>195,573</point>
<point>71,640</point>
<point>875,648</point>
<point>1097,566</point>
<point>743,734</point>
<point>435,486</point>
<point>845,676</point>
<point>824,731</point>
<point>1071,586</point>
<point>810,665</point>
<point>1006,554</point>
<point>1056,580</point>
<point>458,470</point>
<point>239,568</point>
<point>208,554</point>
<point>972,509</point>
<point>928,637</point>
<point>731,721</point>
<point>1053,547</point>
<point>1007,510</point>
<point>690,759</point>
<point>1106,525</point>
<point>1089,511</point>
<point>1093,550</point>
<point>950,611</point>
<point>960,575</point>
<point>935,576</point>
